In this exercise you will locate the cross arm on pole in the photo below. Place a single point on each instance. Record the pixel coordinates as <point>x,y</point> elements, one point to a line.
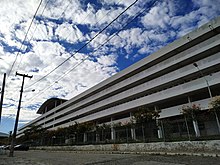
<point>23,75</point>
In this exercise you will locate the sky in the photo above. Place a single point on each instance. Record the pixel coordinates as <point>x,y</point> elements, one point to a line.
<point>72,45</point>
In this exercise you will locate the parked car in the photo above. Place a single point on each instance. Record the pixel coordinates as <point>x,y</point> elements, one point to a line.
<point>5,147</point>
<point>21,147</point>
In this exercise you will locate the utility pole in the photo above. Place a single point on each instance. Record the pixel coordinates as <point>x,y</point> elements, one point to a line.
<point>11,153</point>
<point>2,95</point>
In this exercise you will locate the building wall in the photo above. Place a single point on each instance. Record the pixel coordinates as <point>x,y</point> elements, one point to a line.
<point>165,79</point>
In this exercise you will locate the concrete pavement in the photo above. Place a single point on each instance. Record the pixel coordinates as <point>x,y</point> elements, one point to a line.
<point>92,158</point>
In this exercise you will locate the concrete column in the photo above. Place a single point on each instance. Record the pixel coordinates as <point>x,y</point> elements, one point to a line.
<point>196,128</point>
<point>112,130</point>
<point>133,133</point>
<point>55,103</point>
<point>159,130</point>
<point>45,110</point>
<point>97,137</point>
<point>85,137</point>
<point>112,133</point>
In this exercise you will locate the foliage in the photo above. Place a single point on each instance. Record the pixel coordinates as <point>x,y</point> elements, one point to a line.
<point>191,111</point>
<point>33,129</point>
<point>116,125</point>
<point>127,123</point>
<point>85,127</point>
<point>60,132</point>
<point>144,115</point>
<point>215,103</point>
<point>123,124</point>
<point>33,132</point>
<point>103,127</point>
<point>51,133</point>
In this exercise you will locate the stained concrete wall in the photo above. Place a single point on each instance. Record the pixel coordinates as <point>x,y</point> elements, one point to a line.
<point>212,146</point>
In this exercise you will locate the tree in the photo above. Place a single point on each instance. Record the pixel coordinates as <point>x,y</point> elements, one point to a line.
<point>146,115</point>
<point>191,111</point>
<point>215,107</point>
<point>104,130</point>
<point>34,133</point>
<point>85,127</point>
<point>215,103</point>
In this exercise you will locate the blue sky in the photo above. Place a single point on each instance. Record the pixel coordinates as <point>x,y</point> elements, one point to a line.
<point>62,27</point>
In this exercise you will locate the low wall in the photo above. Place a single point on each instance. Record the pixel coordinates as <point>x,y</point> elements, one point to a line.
<point>2,151</point>
<point>212,146</point>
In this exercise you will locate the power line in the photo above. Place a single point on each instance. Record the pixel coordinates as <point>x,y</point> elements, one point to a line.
<point>106,41</point>
<point>32,34</point>
<point>37,25</point>
<point>83,45</point>
<point>62,14</point>
<point>96,21</point>
<point>19,50</point>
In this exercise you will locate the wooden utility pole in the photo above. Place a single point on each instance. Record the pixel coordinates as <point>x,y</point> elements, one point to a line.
<point>2,95</point>
<point>11,153</point>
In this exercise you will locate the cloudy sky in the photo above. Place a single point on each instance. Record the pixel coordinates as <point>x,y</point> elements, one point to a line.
<point>72,45</point>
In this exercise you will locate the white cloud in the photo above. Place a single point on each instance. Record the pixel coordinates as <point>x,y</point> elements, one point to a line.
<point>107,60</point>
<point>14,13</point>
<point>129,38</point>
<point>167,15</point>
<point>116,2</point>
<point>186,23</point>
<point>158,16</point>
<point>25,114</point>
<point>144,49</point>
<point>41,31</point>
<point>99,40</point>
<point>69,33</point>
<point>58,9</point>
<point>137,38</point>
<point>95,19</point>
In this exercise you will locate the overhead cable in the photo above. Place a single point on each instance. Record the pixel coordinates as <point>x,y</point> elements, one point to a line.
<point>83,45</point>
<point>19,50</point>
<point>101,45</point>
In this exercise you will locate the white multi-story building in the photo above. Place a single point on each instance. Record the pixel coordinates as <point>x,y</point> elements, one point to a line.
<point>178,74</point>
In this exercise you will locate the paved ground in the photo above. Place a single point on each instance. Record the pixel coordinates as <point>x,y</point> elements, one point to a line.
<point>84,158</point>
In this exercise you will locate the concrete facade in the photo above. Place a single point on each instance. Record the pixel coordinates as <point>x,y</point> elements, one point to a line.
<point>167,79</point>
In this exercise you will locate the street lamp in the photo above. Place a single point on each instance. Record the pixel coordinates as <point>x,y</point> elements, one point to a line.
<point>210,93</point>
<point>207,83</point>
<point>33,90</point>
